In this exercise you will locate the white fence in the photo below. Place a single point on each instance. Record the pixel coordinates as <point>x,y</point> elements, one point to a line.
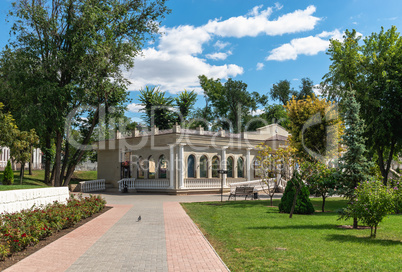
<point>202,183</point>
<point>92,185</point>
<point>17,200</point>
<point>259,185</point>
<point>133,183</point>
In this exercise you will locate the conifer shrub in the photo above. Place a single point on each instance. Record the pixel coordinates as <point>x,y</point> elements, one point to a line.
<point>303,203</point>
<point>8,176</point>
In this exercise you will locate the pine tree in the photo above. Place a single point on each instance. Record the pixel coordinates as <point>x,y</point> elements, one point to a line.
<point>8,176</point>
<point>353,164</point>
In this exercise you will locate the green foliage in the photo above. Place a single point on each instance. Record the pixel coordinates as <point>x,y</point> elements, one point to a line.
<point>372,69</point>
<point>185,102</point>
<point>157,108</point>
<point>323,181</point>
<point>22,229</point>
<point>7,127</point>
<point>371,203</point>
<point>281,91</point>
<point>276,114</point>
<point>303,203</point>
<point>396,185</point>
<point>353,164</point>
<point>8,175</point>
<point>231,103</point>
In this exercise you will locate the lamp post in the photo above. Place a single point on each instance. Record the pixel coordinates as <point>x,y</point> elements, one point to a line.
<point>222,172</point>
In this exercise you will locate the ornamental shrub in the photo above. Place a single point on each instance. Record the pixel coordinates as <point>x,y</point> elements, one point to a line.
<point>396,185</point>
<point>371,203</point>
<point>8,176</point>
<point>303,203</point>
<point>26,228</point>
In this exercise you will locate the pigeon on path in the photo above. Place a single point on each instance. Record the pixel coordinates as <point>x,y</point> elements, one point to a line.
<point>139,218</point>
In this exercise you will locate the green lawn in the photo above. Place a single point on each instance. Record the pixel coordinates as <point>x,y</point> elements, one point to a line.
<point>36,180</point>
<point>246,234</point>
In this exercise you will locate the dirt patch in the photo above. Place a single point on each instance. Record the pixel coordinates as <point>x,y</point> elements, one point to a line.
<point>16,257</point>
<point>351,227</point>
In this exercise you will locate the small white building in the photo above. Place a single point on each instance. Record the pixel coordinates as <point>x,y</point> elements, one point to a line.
<point>36,158</point>
<point>181,160</point>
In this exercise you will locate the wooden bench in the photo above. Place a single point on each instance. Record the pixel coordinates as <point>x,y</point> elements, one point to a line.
<point>242,191</point>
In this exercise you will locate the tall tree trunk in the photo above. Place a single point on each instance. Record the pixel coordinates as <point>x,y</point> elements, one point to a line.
<point>385,166</point>
<point>48,160</point>
<point>355,222</point>
<point>65,163</point>
<point>57,162</point>
<point>323,203</point>
<point>294,202</point>
<point>22,172</point>
<point>30,163</point>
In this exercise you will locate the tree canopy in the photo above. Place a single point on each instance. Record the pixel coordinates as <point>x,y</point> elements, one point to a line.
<point>371,68</point>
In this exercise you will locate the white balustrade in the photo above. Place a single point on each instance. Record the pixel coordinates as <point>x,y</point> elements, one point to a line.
<point>133,183</point>
<point>17,200</point>
<point>93,185</point>
<point>202,183</point>
<point>129,182</point>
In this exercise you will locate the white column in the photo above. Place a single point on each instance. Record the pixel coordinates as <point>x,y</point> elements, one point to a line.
<point>223,165</point>
<point>171,167</point>
<point>248,164</point>
<point>181,166</point>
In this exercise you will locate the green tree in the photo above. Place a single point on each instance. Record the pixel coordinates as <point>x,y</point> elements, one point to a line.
<point>353,164</point>
<point>322,182</point>
<point>8,175</point>
<point>281,91</point>
<point>276,114</point>
<point>7,127</point>
<point>68,54</point>
<point>231,102</point>
<point>157,108</point>
<point>306,88</point>
<point>185,102</point>
<point>20,149</point>
<point>372,69</point>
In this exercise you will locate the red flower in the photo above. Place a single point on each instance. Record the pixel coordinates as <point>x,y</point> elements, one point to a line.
<point>24,235</point>
<point>16,241</point>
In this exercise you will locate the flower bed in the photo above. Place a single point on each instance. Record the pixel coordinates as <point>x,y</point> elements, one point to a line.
<point>26,228</point>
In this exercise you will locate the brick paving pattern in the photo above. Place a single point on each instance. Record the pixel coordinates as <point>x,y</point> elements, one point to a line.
<point>165,239</point>
<point>60,254</point>
<point>187,249</point>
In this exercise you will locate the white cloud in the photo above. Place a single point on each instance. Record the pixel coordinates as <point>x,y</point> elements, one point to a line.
<point>260,66</point>
<point>219,55</point>
<point>134,107</point>
<point>310,45</point>
<point>176,60</point>
<point>174,73</point>
<point>257,112</point>
<point>220,45</point>
<point>257,22</point>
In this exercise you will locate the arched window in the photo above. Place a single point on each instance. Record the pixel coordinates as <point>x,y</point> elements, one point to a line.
<point>229,167</point>
<point>162,167</point>
<point>215,167</point>
<point>191,166</point>
<point>203,167</point>
<point>257,169</point>
<point>140,168</point>
<point>151,168</point>
<point>240,168</point>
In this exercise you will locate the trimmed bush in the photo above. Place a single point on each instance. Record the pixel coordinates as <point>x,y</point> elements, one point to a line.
<point>8,176</point>
<point>22,229</point>
<point>303,203</point>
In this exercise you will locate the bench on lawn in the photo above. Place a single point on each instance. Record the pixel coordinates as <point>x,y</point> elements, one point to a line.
<point>242,191</point>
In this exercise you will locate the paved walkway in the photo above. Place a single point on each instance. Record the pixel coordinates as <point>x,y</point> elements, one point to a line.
<point>165,239</point>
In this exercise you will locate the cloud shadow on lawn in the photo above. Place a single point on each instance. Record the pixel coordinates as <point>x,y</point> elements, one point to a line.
<point>365,240</point>
<point>319,226</point>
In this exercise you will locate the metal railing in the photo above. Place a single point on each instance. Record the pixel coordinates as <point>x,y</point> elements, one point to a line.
<point>93,185</point>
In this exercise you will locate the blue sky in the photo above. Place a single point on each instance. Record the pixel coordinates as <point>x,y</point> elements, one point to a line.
<point>258,42</point>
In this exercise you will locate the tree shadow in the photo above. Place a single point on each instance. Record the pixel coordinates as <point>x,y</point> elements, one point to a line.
<point>362,240</point>
<point>320,226</point>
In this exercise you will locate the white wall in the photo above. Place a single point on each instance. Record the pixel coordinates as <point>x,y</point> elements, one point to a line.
<point>17,200</point>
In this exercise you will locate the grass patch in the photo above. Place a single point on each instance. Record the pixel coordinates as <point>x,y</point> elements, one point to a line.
<point>38,176</point>
<point>249,236</point>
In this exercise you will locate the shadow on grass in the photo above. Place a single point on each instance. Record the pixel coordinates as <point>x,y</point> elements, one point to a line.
<point>320,226</point>
<point>362,240</point>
